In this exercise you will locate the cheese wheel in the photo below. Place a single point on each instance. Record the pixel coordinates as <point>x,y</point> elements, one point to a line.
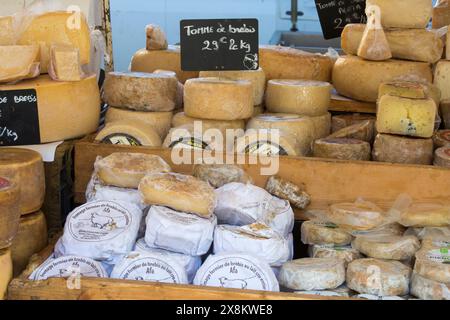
<point>159,121</point>
<point>288,63</point>
<point>303,97</point>
<point>267,142</point>
<point>427,289</point>
<point>289,191</point>
<point>324,234</point>
<point>360,216</point>
<point>141,91</point>
<point>445,112</point>
<point>402,42</point>
<point>30,239</point>
<point>6,272</point>
<point>302,128</point>
<point>156,38</point>
<point>125,170</point>
<point>441,79</point>
<point>10,211</point>
<point>322,125</point>
<point>441,139</point>
<point>26,168</point>
<point>410,89</point>
<point>442,157</point>
<point>256,77</point>
<point>218,175</point>
<point>426,215</point>
<point>342,149</point>
<point>432,262</point>
<point>360,131</point>
<point>388,247</point>
<point>378,277</point>
<point>17,62</point>
<point>66,110</point>
<point>7,32</point>
<point>312,274</point>
<point>218,99</point>
<point>180,88</point>
<point>129,132</point>
<point>346,253</point>
<point>398,149</point>
<point>179,192</point>
<point>181,119</point>
<point>342,121</point>
<point>360,79</point>
<point>57,27</point>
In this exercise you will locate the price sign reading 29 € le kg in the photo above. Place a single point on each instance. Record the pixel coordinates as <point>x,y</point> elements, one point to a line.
<point>219,44</point>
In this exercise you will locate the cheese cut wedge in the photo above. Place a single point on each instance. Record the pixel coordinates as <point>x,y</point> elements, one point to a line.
<point>342,149</point>
<point>181,119</point>
<point>442,157</point>
<point>360,79</point>
<point>125,170</point>
<point>26,169</point>
<point>6,272</point>
<point>410,89</point>
<point>61,28</point>
<point>269,142</point>
<point>441,79</point>
<point>441,139</point>
<point>66,110</point>
<point>129,133</point>
<point>65,63</point>
<point>18,62</point>
<point>10,211</point>
<point>342,121</point>
<point>218,99</point>
<point>404,13</point>
<point>156,38</point>
<point>179,192</point>
<point>360,131</point>
<point>7,32</point>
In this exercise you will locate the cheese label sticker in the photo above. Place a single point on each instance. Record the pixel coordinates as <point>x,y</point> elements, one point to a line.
<point>70,266</point>
<point>190,143</point>
<point>265,148</point>
<point>150,269</point>
<point>98,221</point>
<point>122,139</point>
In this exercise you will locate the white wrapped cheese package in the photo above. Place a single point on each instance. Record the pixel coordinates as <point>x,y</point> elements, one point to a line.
<point>150,267</point>
<point>189,263</point>
<point>179,231</point>
<point>256,239</point>
<point>101,230</point>
<point>241,204</point>
<point>236,271</point>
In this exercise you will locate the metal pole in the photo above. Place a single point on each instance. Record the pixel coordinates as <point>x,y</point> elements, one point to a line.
<point>294,15</point>
<point>106,24</point>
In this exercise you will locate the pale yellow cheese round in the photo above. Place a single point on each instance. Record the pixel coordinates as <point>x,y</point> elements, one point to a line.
<point>9,211</point>
<point>129,132</point>
<point>268,142</point>
<point>6,272</point>
<point>322,125</point>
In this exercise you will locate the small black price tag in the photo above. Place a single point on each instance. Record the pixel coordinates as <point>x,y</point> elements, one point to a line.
<point>334,15</point>
<point>219,44</point>
<point>19,118</point>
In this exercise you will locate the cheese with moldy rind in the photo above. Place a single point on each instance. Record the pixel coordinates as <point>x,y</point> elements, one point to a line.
<point>441,139</point>
<point>269,142</point>
<point>6,271</point>
<point>346,253</point>
<point>179,231</point>
<point>256,239</point>
<point>126,170</point>
<point>150,267</point>
<point>442,157</point>
<point>241,204</point>
<point>427,289</point>
<point>324,234</point>
<point>313,274</point>
<point>378,277</point>
<point>17,62</point>
<point>156,38</point>
<point>342,149</point>
<point>236,271</point>
<point>384,246</point>
<point>10,211</point>
<point>218,175</point>
<point>361,131</point>
<point>289,191</point>
<point>129,133</point>
<point>432,261</point>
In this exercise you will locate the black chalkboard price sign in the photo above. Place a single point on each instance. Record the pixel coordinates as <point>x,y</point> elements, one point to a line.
<point>19,119</point>
<point>334,15</point>
<point>219,44</point>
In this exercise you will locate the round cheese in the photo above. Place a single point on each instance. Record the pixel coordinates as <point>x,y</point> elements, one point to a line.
<point>66,110</point>
<point>324,234</point>
<point>150,267</point>
<point>346,253</point>
<point>342,121</point>
<point>180,88</point>
<point>179,231</point>
<point>361,131</point>
<point>158,121</point>
<point>141,91</point>
<point>236,271</point>
<point>181,119</point>
<point>360,79</point>
<point>256,239</point>
<point>432,262</point>
<point>400,149</point>
<point>6,271</point>
<point>441,139</point>
<point>156,38</point>
<point>378,277</point>
<point>302,128</point>
<point>179,192</point>
<point>303,97</point>
<point>426,215</point>
<point>342,149</point>
<point>26,169</point>
<point>30,239</point>
<point>256,77</point>
<point>427,289</point>
<point>218,99</point>
<point>10,211</point>
<point>126,170</point>
<point>129,133</point>
<point>313,274</point>
<point>442,157</point>
<point>218,175</point>
<point>388,247</point>
<point>289,191</point>
<point>280,62</point>
<point>322,125</point>
<point>268,142</point>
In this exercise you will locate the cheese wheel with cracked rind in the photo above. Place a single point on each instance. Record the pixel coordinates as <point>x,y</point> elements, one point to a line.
<point>322,125</point>
<point>303,97</point>
<point>141,91</point>
<point>410,89</point>
<point>378,277</point>
<point>427,289</point>
<point>156,38</point>
<point>288,63</point>
<point>342,149</point>
<point>218,175</point>
<point>179,192</point>
<point>7,32</point>
<point>289,191</point>
<point>159,121</point>
<point>342,121</point>
<point>360,131</point>
<point>346,253</point>
<point>17,62</point>
<point>320,233</point>
<point>66,110</point>
<point>422,215</point>
<point>312,274</point>
<point>170,59</point>
<point>10,211</point>
<point>387,247</point>
<point>218,99</point>
<point>360,79</point>
<point>268,143</point>
<point>26,169</point>
<point>400,149</point>
<point>442,157</point>
<point>30,239</point>
<point>125,170</point>
<point>6,274</point>
<point>256,77</point>
<point>129,132</point>
<point>181,119</point>
<point>441,139</point>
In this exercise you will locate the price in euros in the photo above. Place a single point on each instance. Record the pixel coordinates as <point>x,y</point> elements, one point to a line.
<point>232,44</point>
